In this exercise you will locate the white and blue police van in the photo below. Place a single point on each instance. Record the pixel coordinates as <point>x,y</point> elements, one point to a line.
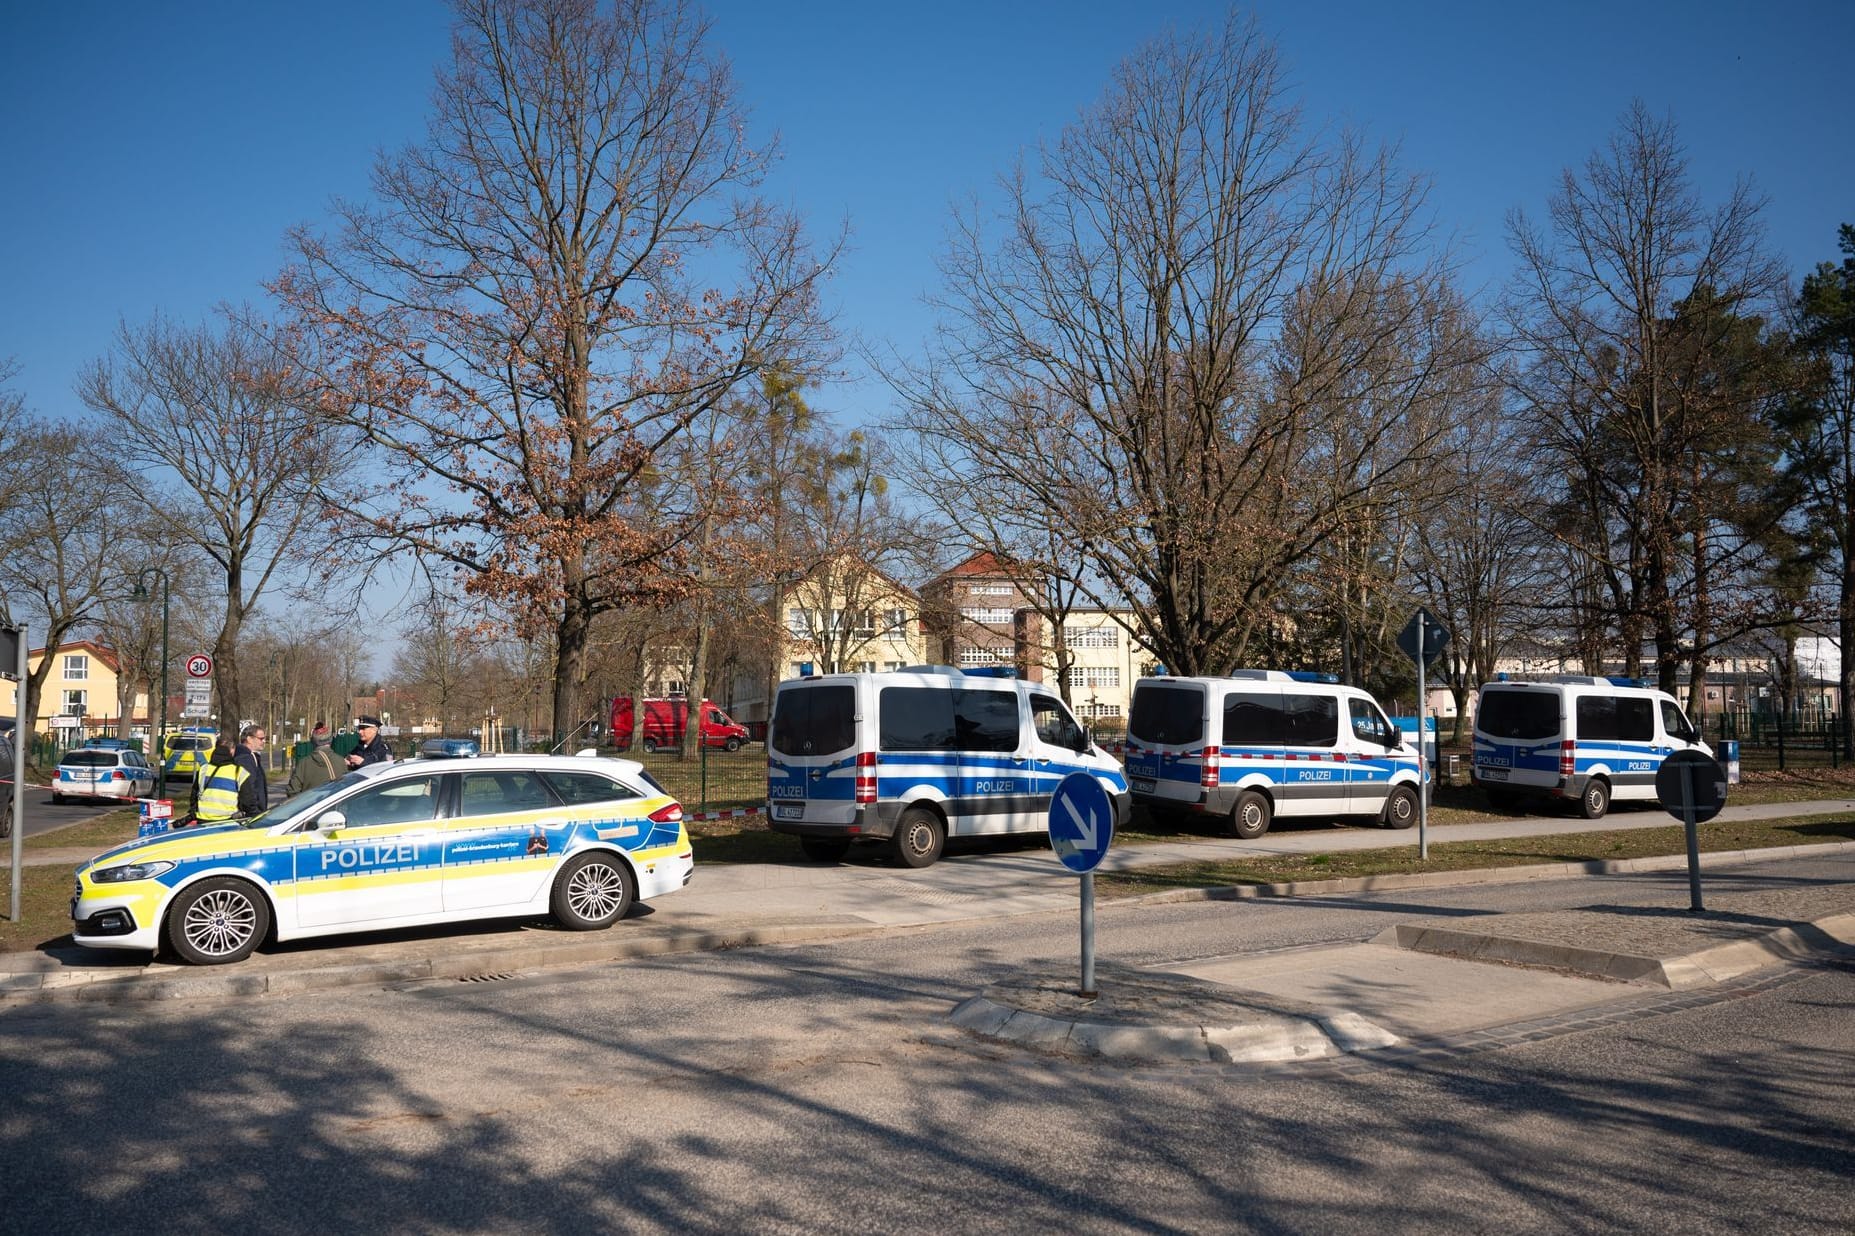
<point>1259,744</point>
<point>918,755</point>
<point>1576,738</point>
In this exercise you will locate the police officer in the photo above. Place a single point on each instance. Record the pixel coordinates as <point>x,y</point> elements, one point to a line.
<point>219,787</point>
<point>373,748</point>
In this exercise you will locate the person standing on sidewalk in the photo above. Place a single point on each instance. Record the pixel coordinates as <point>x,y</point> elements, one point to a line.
<point>219,786</point>
<point>254,796</point>
<point>317,766</point>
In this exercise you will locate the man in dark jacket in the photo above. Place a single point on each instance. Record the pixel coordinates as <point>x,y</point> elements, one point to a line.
<point>373,748</point>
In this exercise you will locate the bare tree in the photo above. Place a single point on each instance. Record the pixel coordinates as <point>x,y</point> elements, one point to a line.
<point>522,324</point>
<point>1164,348</point>
<point>1632,313</point>
<point>233,462</point>
<point>69,535</point>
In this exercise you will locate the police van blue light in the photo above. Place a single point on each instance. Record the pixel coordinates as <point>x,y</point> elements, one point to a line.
<point>915,756</point>
<point>1258,744</point>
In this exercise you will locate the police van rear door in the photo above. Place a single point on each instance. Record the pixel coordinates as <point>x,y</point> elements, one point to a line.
<point>811,752</point>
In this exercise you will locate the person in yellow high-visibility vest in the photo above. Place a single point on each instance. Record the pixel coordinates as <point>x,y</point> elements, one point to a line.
<point>217,786</point>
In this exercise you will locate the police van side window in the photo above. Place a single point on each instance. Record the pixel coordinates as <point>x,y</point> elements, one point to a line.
<point>1312,720</point>
<point>986,720</point>
<point>1518,714</point>
<point>815,720</point>
<point>1368,724</point>
<point>1608,718</point>
<point>1254,720</point>
<point>1055,726</point>
<point>1165,714</point>
<point>915,719</point>
<point>1675,722</point>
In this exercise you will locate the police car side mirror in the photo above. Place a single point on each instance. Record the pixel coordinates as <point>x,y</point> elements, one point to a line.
<point>329,820</point>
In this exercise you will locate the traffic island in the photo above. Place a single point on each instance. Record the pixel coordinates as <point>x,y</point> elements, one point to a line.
<point>1158,1017</point>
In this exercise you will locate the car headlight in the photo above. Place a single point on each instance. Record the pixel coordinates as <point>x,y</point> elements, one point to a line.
<point>131,871</point>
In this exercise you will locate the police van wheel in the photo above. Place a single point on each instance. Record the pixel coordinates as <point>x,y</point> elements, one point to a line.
<point>918,838</point>
<point>1249,818</point>
<point>591,892</point>
<point>1401,808</point>
<point>824,849</point>
<point>1596,799</point>
<point>217,921</point>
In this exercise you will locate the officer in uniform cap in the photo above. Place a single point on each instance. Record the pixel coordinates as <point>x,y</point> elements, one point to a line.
<point>373,748</point>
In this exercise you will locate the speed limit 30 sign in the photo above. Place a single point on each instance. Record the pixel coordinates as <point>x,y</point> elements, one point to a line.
<point>199,665</point>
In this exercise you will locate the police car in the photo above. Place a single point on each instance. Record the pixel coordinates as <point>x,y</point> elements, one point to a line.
<point>429,840</point>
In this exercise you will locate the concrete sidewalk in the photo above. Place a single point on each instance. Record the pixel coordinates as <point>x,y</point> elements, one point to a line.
<point>1419,978</point>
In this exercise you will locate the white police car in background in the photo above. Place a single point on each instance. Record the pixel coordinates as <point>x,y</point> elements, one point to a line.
<point>429,840</point>
<point>102,772</point>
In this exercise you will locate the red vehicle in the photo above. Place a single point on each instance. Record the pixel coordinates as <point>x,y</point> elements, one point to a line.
<point>665,722</point>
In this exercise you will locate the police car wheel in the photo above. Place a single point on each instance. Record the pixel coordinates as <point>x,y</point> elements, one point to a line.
<point>217,921</point>
<point>824,849</point>
<point>1401,808</point>
<point>918,838</point>
<point>1249,818</point>
<point>592,891</point>
<point>1596,799</point>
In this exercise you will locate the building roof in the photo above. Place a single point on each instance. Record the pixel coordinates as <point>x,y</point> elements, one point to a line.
<point>99,651</point>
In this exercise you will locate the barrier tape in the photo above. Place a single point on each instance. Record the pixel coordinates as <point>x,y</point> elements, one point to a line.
<point>724,815</point>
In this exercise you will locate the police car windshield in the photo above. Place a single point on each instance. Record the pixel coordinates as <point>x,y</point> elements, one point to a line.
<point>302,802</point>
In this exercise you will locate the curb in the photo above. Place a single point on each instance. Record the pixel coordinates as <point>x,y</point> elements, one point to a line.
<point>1479,875</point>
<point>1274,1040</point>
<point>1684,973</point>
<point>115,986</point>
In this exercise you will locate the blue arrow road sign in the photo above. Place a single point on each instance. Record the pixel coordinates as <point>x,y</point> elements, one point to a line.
<point>1081,822</point>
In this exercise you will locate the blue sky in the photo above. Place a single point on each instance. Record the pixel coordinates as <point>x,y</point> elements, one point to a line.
<point>154,154</point>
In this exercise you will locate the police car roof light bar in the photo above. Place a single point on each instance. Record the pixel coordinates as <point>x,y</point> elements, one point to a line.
<point>1313,676</point>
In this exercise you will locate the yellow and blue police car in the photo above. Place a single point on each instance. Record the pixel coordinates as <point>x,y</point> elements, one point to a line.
<point>428,840</point>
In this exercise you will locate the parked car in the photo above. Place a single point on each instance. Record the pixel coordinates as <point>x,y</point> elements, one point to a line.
<point>578,838</point>
<point>103,772</point>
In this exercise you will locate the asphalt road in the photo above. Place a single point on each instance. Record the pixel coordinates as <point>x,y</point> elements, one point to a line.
<point>820,1088</point>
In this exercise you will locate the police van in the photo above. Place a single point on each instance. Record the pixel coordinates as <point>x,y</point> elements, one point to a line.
<point>918,755</point>
<point>1258,744</point>
<point>1576,737</point>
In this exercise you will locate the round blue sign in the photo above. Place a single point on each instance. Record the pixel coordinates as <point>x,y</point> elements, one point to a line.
<point>1081,822</point>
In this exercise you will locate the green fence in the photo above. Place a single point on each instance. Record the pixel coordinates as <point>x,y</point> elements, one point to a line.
<point>1772,740</point>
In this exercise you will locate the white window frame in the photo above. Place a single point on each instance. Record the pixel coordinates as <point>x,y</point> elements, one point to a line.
<point>76,667</point>
<point>76,702</point>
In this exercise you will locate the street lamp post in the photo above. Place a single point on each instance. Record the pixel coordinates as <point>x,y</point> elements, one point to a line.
<point>145,593</point>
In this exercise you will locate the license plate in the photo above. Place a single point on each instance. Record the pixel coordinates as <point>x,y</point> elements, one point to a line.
<point>788,811</point>
<point>1145,785</point>
<point>1494,774</point>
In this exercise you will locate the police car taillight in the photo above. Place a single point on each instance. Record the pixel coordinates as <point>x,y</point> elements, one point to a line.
<point>1208,777</point>
<point>672,814</point>
<point>866,776</point>
<point>1568,763</point>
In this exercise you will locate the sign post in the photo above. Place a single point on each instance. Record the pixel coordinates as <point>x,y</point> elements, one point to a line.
<point>1081,829</point>
<point>16,804</point>
<point>1422,640</point>
<point>1692,788</point>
